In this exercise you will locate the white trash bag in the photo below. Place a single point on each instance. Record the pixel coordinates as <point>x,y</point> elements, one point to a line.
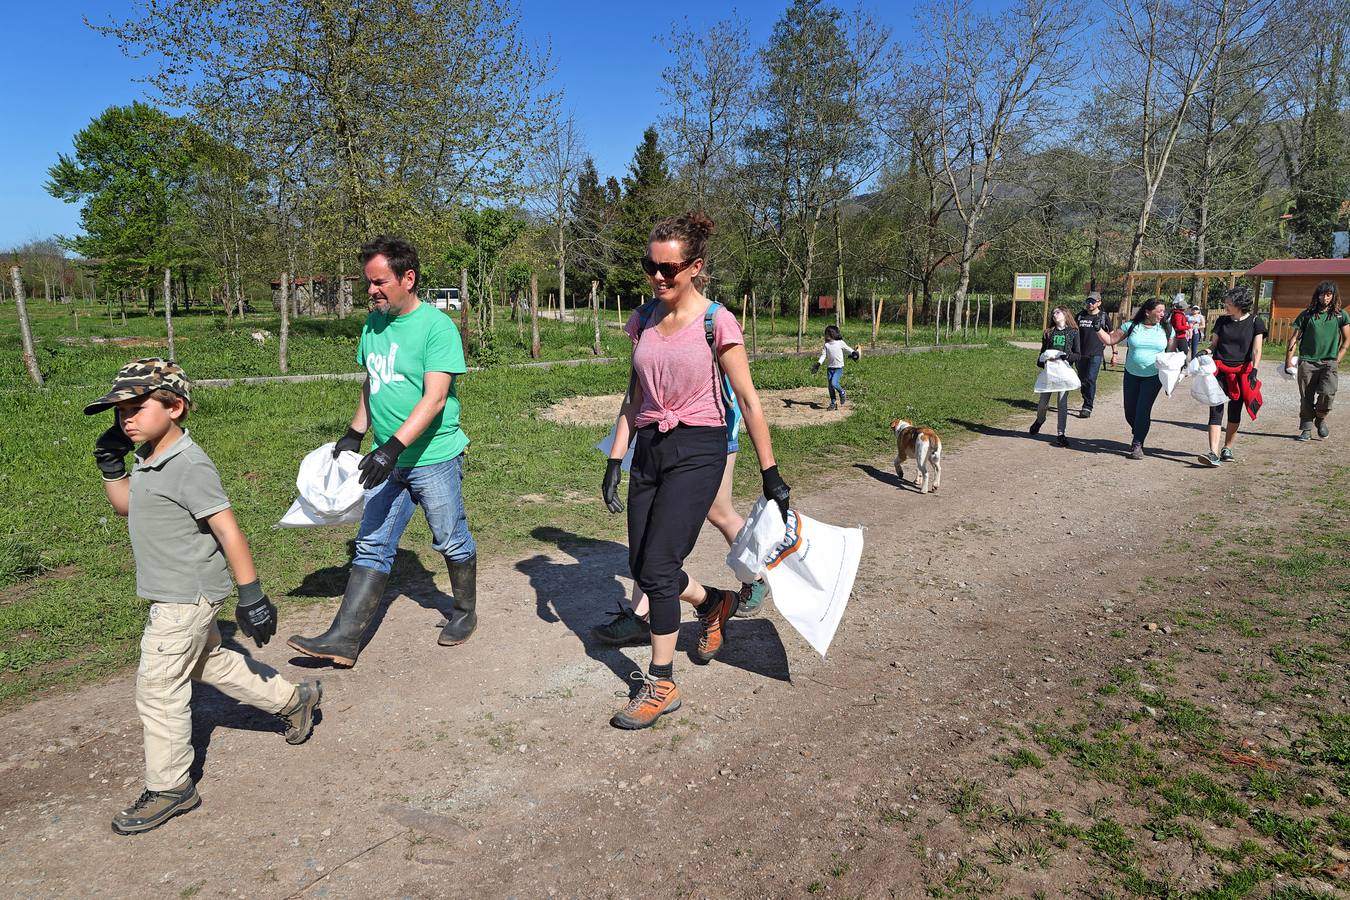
<point>1169,369</point>
<point>330,490</point>
<point>1290,372</point>
<point>1057,375</point>
<point>809,566</point>
<point>605,444</point>
<point>1205,386</point>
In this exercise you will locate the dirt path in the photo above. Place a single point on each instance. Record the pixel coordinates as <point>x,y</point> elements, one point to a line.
<point>490,770</point>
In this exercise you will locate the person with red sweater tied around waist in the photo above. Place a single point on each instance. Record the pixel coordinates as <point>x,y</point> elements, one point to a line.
<point>675,404</point>
<point>1235,341</point>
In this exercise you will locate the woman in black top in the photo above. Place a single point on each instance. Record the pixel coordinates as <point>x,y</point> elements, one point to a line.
<point>1063,337</point>
<point>1235,341</point>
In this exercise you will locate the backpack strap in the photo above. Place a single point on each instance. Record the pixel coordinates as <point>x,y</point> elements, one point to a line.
<point>731,410</point>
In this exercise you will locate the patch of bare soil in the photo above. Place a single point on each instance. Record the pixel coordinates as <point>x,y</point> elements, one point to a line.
<point>785,409</point>
<point>490,769</point>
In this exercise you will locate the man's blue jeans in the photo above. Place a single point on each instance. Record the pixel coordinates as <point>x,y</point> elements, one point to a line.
<point>389,507</point>
<point>1088,368</point>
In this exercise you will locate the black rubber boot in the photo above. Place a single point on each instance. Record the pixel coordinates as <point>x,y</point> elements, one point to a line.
<point>464,586</point>
<point>342,641</point>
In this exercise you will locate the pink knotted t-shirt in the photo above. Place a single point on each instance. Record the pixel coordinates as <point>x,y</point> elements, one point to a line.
<point>679,385</point>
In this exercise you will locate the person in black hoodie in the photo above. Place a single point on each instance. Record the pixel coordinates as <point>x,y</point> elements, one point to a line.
<point>1063,336</point>
<point>1091,349</point>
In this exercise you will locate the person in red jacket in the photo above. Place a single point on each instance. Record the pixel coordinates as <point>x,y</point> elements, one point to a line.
<point>1181,323</point>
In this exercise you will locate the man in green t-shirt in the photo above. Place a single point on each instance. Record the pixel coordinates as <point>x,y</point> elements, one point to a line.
<point>411,353</point>
<point>1321,335</point>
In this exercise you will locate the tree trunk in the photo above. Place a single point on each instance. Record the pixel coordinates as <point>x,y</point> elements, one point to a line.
<point>562,273</point>
<point>464,310</point>
<point>534,316</point>
<point>595,317</point>
<point>839,314</point>
<point>25,333</point>
<point>754,326</point>
<point>168,312</point>
<point>283,340</point>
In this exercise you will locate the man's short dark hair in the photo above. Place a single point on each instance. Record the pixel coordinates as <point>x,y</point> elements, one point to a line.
<point>400,255</point>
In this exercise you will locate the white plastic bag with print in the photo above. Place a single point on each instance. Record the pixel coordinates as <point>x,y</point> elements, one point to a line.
<point>1205,386</point>
<point>809,566</point>
<point>605,444</point>
<point>1169,369</point>
<point>330,490</point>
<point>1057,375</point>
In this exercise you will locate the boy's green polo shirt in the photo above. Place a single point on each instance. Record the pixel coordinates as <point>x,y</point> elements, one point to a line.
<point>178,559</point>
<point>397,352</point>
<point>1321,339</point>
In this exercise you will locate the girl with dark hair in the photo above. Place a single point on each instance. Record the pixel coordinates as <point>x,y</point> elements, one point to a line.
<point>1061,336</point>
<point>684,347</point>
<point>832,357</point>
<point>1321,336</point>
<point>1145,336</point>
<point>1235,342</point>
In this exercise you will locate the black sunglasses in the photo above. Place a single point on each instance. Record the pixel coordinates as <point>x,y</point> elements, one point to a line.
<point>667,270</point>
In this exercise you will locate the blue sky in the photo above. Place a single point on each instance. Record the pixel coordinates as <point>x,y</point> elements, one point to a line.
<point>66,74</point>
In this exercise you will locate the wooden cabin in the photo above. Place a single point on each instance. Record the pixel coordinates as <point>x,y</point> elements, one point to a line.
<point>1287,285</point>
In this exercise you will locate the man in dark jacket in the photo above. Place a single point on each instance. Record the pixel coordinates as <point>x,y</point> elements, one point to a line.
<point>1090,348</point>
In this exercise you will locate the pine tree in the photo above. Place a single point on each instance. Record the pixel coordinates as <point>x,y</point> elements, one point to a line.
<point>646,190</point>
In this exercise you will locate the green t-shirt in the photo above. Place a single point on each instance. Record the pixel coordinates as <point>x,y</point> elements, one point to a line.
<point>1144,344</point>
<point>1321,338</point>
<point>396,352</point>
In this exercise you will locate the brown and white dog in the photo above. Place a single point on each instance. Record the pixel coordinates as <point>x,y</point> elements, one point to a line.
<point>924,445</point>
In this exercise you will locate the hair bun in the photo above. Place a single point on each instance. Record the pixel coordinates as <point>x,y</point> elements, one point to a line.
<point>700,223</point>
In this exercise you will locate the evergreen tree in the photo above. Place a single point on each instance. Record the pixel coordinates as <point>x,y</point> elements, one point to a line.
<point>588,222</point>
<point>645,200</point>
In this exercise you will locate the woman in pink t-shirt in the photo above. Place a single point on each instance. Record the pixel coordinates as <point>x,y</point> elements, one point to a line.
<point>674,404</point>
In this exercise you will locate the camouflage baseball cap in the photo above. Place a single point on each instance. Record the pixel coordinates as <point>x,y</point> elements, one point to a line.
<point>144,376</point>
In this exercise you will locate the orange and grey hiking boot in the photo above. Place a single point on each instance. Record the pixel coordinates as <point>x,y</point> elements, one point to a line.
<point>654,699</point>
<point>712,638</point>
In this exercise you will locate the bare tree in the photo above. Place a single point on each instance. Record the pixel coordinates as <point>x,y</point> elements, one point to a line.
<point>554,174</point>
<point>168,312</point>
<point>25,332</point>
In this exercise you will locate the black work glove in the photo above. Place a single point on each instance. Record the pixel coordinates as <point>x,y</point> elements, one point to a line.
<point>110,451</point>
<point>378,464</point>
<point>609,488</point>
<point>349,441</point>
<point>815,367</point>
<point>776,489</point>
<point>255,614</point>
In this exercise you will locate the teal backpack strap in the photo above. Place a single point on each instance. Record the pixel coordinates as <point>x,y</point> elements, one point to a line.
<point>731,410</point>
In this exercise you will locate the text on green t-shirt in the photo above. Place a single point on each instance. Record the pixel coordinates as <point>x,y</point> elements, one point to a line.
<point>397,352</point>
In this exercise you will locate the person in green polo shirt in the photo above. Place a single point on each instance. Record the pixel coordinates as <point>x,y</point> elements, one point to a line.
<point>1321,336</point>
<point>412,354</point>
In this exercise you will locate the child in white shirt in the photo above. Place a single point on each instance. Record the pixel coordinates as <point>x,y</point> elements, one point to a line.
<point>832,357</point>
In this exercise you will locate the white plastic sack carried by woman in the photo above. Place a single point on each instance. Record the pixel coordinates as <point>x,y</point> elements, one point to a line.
<point>1169,369</point>
<point>1057,375</point>
<point>330,490</point>
<point>1205,387</point>
<point>810,567</point>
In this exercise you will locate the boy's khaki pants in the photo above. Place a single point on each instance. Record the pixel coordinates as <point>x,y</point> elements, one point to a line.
<point>182,645</point>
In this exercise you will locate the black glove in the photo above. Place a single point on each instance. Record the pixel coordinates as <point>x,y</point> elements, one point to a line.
<point>815,367</point>
<point>110,452</point>
<point>255,614</point>
<point>609,488</point>
<point>379,463</point>
<point>855,355</point>
<point>349,441</point>
<point>776,489</point>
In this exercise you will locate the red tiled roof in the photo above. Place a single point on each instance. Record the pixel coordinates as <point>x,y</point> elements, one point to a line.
<point>1302,267</point>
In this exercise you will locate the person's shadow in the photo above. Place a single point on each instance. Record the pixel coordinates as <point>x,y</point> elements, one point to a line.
<point>577,594</point>
<point>788,402</point>
<point>211,709</point>
<point>408,576</point>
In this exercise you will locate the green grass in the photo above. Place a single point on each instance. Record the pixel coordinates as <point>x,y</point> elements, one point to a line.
<point>529,483</point>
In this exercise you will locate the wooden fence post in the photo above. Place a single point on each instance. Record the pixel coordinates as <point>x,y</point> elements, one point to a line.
<point>25,332</point>
<point>595,317</point>
<point>909,315</point>
<point>874,320</point>
<point>754,326</point>
<point>168,313</point>
<point>534,316</point>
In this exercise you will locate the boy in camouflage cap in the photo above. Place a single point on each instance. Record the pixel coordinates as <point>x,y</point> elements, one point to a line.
<point>186,542</point>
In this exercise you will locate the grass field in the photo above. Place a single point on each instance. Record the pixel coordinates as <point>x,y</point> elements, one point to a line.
<point>67,605</point>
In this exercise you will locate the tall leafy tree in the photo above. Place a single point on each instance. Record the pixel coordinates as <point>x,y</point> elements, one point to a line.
<point>645,200</point>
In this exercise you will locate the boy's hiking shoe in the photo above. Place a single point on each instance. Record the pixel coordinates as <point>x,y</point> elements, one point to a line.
<point>627,627</point>
<point>153,808</point>
<point>654,699</point>
<point>1210,459</point>
<point>1304,436</point>
<point>752,599</point>
<point>299,716</point>
<point>1322,429</point>
<point>1226,455</point>
<point>711,638</point>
